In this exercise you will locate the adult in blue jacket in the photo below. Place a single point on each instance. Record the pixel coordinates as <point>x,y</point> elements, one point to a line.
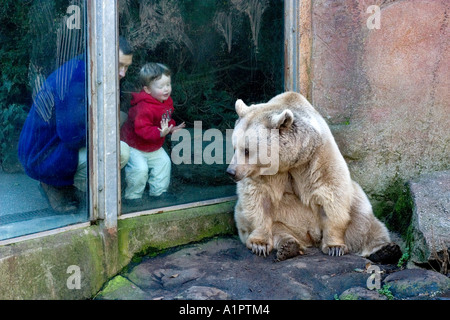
<point>52,145</point>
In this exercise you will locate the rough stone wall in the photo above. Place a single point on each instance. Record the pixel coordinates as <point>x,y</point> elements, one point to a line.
<point>384,92</point>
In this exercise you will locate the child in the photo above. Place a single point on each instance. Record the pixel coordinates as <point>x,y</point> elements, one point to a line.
<point>149,121</point>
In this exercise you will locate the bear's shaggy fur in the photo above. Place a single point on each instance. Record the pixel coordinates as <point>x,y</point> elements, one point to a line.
<point>310,200</point>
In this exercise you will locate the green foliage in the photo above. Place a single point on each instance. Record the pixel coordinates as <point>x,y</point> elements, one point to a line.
<point>14,55</point>
<point>346,297</point>
<point>10,118</point>
<point>201,100</point>
<point>386,291</point>
<point>395,207</point>
<point>404,258</point>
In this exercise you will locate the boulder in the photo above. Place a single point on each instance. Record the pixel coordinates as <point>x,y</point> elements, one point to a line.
<point>417,284</point>
<point>360,293</point>
<point>223,268</point>
<point>430,224</point>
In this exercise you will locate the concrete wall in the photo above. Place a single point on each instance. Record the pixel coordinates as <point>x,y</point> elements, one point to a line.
<point>384,92</point>
<point>38,268</point>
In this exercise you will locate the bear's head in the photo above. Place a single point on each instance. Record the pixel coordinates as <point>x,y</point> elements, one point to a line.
<point>272,137</point>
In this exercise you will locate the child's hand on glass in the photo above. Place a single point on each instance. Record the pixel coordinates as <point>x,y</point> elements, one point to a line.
<point>176,128</point>
<point>165,129</point>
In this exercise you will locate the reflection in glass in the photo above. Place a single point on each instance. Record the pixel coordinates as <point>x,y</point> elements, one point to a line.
<point>218,52</point>
<point>43,98</point>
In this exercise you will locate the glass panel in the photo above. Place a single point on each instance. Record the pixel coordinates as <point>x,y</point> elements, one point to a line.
<point>217,52</point>
<point>43,153</point>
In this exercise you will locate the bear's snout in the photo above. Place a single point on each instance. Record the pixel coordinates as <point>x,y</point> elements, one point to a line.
<point>231,172</point>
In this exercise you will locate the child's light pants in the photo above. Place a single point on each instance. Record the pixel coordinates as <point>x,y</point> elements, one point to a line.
<point>142,167</point>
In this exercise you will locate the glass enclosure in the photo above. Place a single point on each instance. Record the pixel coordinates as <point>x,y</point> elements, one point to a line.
<point>218,52</point>
<point>43,104</point>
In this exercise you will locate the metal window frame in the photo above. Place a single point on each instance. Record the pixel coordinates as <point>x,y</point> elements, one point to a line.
<point>292,42</point>
<point>103,97</point>
<point>298,46</point>
<point>291,45</point>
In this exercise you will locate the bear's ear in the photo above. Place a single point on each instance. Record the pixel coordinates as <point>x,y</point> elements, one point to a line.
<point>283,120</point>
<point>241,108</point>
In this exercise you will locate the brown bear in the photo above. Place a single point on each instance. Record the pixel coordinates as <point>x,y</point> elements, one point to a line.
<point>309,199</point>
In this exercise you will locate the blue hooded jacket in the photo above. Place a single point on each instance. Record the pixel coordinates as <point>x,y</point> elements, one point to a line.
<point>55,128</point>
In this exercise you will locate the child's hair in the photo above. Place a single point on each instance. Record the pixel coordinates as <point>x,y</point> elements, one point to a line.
<point>153,71</point>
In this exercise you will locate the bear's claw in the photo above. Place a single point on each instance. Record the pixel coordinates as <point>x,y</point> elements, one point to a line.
<point>260,246</point>
<point>336,251</point>
<point>260,250</point>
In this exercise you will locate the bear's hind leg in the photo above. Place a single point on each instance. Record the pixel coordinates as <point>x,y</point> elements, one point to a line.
<point>286,244</point>
<point>288,248</point>
<point>388,254</point>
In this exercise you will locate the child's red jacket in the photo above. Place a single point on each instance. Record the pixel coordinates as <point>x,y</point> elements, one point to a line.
<point>140,131</point>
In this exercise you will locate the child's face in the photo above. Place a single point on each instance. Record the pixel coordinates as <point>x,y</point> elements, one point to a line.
<point>160,89</point>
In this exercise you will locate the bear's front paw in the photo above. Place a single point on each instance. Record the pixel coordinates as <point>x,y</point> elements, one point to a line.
<point>260,247</point>
<point>335,250</point>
